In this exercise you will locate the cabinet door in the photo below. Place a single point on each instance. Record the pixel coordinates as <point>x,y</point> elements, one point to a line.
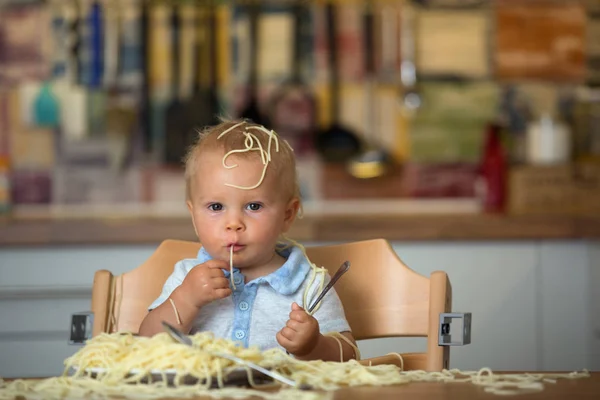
<point>568,312</point>
<point>594,306</point>
<point>39,290</point>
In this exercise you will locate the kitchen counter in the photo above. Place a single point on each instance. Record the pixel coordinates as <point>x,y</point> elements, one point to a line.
<point>140,229</point>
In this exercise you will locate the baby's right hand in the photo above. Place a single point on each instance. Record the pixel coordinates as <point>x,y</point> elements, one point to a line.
<point>206,282</point>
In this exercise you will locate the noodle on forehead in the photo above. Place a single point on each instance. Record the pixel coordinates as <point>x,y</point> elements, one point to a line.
<point>252,143</point>
<point>125,360</point>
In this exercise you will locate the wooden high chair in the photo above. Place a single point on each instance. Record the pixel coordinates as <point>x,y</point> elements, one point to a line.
<point>381,296</point>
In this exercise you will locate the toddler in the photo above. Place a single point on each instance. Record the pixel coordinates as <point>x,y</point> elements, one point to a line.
<point>247,284</point>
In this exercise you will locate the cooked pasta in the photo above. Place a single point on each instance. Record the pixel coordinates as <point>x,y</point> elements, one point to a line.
<point>123,362</point>
<point>339,337</point>
<point>252,143</point>
<point>231,267</point>
<point>175,311</point>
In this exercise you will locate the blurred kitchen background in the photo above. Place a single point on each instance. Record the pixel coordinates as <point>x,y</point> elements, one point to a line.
<point>466,100</point>
<point>468,129</point>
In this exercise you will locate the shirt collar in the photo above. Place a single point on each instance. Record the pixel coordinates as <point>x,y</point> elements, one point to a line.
<point>286,280</point>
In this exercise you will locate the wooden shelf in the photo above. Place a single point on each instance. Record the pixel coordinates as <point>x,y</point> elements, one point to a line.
<point>340,227</point>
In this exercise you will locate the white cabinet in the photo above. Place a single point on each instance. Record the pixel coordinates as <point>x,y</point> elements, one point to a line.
<point>39,290</point>
<point>565,295</point>
<point>594,307</point>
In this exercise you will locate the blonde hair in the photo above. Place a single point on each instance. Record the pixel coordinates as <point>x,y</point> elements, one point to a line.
<point>282,161</point>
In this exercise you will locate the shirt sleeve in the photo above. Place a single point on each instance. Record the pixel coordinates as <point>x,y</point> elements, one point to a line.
<point>172,282</point>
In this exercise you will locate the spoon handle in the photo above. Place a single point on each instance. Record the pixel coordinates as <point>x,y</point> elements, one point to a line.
<point>341,270</point>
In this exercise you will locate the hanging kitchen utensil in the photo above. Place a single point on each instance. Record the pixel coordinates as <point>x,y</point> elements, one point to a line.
<point>93,69</point>
<point>71,97</point>
<point>91,54</point>
<point>175,115</point>
<point>372,162</point>
<point>336,143</point>
<point>146,92</point>
<point>203,108</point>
<point>160,73</point>
<point>252,110</point>
<point>73,41</point>
<point>131,48</point>
<point>112,34</point>
<point>292,109</point>
<point>123,108</point>
<point>411,99</point>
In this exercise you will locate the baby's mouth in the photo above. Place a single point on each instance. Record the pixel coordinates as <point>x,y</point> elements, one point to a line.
<point>235,246</point>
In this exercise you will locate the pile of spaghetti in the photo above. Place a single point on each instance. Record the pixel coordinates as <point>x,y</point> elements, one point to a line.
<point>120,365</point>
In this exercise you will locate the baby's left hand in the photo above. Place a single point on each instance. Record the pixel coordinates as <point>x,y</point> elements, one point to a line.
<point>300,334</point>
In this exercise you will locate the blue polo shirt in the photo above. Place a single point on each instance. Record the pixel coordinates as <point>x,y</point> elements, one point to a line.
<point>258,309</point>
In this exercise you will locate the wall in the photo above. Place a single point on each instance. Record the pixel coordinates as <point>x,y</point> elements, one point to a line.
<point>535,305</point>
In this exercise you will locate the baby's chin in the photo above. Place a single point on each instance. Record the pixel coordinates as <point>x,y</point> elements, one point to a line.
<point>237,262</point>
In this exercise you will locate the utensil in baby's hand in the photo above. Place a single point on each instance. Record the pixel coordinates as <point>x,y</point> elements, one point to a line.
<point>185,339</point>
<point>341,271</point>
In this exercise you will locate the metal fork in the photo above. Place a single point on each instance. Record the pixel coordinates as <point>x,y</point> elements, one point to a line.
<point>341,271</point>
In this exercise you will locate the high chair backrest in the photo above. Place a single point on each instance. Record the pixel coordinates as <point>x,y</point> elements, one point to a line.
<point>381,296</point>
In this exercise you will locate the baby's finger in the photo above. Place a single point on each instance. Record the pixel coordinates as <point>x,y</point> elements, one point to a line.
<point>296,311</point>
<point>288,333</point>
<point>294,325</point>
<point>220,282</point>
<point>215,272</point>
<point>283,341</point>
<point>300,316</point>
<point>222,293</point>
<point>216,264</point>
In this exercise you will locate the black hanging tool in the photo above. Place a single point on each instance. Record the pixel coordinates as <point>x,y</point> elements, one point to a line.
<point>337,143</point>
<point>252,109</point>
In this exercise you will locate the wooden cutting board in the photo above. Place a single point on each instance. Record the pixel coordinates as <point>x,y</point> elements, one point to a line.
<point>542,39</point>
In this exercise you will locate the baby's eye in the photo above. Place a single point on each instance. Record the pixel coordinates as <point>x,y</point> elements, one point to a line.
<point>215,207</point>
<point>254,206</point>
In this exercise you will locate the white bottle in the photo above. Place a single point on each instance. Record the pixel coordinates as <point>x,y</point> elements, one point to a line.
<point>548,141</point>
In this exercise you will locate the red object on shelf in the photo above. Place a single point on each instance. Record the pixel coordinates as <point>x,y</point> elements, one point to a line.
<point>493,171</point>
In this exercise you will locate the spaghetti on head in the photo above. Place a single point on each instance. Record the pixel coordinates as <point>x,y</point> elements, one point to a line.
<point>246,139</point>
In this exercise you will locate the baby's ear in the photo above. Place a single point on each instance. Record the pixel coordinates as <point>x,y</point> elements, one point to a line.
<point>291,212</point>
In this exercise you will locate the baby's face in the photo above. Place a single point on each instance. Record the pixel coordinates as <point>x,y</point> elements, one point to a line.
<point>249,220</point>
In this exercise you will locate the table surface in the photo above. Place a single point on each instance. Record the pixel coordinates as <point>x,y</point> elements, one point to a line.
<point>584,388</point>
<point>581,389</point>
